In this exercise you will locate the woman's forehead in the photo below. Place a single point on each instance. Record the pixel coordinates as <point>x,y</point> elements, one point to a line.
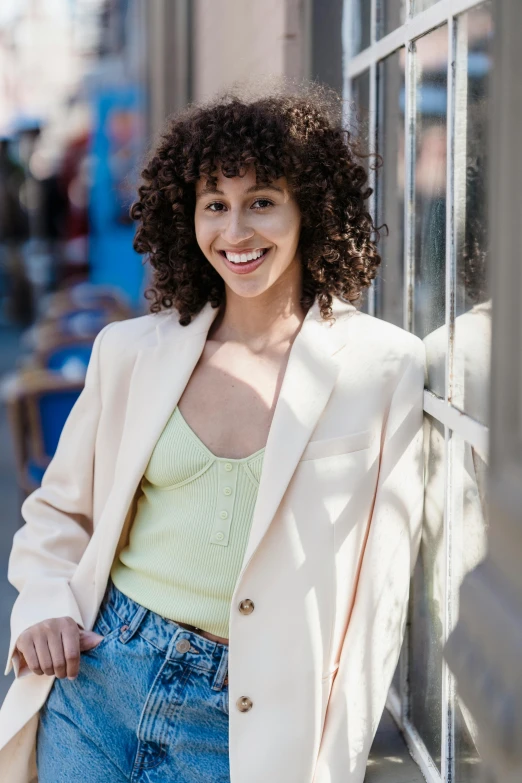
<point>246,181</point>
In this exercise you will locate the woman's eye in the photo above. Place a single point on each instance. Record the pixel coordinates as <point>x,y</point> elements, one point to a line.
<point>263,202</point>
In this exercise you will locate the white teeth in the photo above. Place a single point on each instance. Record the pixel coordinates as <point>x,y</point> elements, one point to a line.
<point>242,258</point>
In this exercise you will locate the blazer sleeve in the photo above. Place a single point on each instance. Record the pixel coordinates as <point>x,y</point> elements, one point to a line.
<point>58,519</point>
<point>376,625</point>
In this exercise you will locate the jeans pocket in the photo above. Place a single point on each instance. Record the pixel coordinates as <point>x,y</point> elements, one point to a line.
<point>102,626</point>
<point>224,700</point>
<point>107,638</point>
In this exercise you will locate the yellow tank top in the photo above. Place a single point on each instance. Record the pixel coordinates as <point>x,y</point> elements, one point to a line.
<point>189,535</point>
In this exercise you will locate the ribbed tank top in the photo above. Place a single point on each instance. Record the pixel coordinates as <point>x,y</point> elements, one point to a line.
<point>189,534</point>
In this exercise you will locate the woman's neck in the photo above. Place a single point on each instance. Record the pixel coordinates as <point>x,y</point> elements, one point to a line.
<point>259,322</point>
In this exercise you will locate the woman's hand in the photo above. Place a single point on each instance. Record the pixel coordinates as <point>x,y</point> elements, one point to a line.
<point>53,647</point>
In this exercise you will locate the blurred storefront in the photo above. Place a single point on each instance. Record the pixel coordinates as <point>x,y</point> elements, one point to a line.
<point>72,115</point>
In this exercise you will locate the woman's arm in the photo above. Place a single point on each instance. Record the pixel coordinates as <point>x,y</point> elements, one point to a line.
<point>375,630</point>
<point>58,519</point>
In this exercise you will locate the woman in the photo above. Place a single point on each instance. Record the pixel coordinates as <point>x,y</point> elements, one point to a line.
<point>228,527</point>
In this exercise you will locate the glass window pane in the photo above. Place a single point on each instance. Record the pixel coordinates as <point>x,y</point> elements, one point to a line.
<point>427,600</point>
<point>421,5</point>
<point>431,63</point>
<point>389,285</point>
<point>469,541</point>
<point>361,25</point>
<point>359,125</point>
<point>390,15</point>
<point>360,100</point>
<point>472,347</point>
<point>396,681</point>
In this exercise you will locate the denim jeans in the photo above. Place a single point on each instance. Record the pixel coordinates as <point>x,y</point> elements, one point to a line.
<point>150,704</point>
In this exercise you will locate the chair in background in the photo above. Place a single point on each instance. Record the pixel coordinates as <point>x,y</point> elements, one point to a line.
<point>38,404</point>
<point>50,378</point>
<point>83,324</point>
<point>87,296</point>
<point>74,315</point>
<point>69,358</point>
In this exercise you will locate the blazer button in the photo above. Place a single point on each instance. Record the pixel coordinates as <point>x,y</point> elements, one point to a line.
<point>246,606</point>
<point>244,704</point>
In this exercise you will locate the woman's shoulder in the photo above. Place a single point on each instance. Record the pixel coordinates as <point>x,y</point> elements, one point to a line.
<point>387,339</point>
<point>132,334</point>
<point>118,344</point>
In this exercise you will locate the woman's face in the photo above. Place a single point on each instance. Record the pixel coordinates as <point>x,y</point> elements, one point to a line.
<point>240,221</point>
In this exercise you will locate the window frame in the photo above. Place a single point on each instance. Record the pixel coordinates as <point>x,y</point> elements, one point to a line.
<point>452,418</point>
<point>491,594</point>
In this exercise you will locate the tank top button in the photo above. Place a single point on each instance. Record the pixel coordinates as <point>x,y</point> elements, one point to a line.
<point>228,466</point>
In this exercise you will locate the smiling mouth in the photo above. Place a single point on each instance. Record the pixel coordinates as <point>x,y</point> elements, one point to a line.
<point>245,258</point>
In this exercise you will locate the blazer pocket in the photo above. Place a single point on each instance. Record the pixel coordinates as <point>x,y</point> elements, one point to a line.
<point>329,447</point>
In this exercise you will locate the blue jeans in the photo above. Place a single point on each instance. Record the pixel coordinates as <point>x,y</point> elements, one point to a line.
<point>150,704</point>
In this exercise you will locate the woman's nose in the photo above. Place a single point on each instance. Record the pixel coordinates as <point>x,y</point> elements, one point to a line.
<point>237,228</point>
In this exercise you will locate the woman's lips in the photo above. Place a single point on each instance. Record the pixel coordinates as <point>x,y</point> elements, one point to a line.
<point>248,266</point>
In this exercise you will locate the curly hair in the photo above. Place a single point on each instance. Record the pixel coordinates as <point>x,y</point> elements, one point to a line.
<point>299,136</point>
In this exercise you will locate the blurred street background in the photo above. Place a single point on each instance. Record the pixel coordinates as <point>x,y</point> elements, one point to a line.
<point>85,87</point>
<point>72,127</point>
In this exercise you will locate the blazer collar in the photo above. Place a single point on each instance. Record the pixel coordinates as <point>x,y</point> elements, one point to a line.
<point>161,372</point>
<point>169,329</point>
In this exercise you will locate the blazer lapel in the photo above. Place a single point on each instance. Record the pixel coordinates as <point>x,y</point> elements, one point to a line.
<point>309,378</point>
<point>160,374</point>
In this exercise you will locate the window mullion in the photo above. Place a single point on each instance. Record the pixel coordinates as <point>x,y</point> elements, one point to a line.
<point>447,766</point>
<point>409,187</point>
<point>448,683</point>
<point>372,141</point>
<point>373,21</point>
<point>372,175</point>
<point>475,433</point>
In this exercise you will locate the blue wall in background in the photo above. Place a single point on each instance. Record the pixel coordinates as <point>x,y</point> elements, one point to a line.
<point>117,147</point>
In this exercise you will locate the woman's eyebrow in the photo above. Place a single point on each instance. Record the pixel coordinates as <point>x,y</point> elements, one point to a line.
<point>209,190</point>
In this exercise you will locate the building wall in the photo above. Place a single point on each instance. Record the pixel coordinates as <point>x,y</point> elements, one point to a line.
<point>238,40</point>
<point>326,43</point>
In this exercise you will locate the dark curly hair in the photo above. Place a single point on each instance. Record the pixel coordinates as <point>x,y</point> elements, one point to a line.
<point>301,136</point>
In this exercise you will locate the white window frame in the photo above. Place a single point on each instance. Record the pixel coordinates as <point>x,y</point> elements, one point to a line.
<point>485,649</point>
<point>454,420</point>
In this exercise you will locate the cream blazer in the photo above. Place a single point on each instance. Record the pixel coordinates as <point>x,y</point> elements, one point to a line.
<point>334,536</point>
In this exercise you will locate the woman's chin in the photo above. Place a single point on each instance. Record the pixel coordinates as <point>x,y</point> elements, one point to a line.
<point>246,289</point>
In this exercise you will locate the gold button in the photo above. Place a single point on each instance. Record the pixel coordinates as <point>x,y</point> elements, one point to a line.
<point>223,514</point>
<point>183,646</point>
<point>228,466</point>
<point>220,536</point>
<point>244,704</point>
<point>227,491</point>
<point>246,606</point>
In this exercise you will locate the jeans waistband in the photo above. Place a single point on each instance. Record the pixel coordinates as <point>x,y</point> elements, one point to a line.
<point>167,636</point>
